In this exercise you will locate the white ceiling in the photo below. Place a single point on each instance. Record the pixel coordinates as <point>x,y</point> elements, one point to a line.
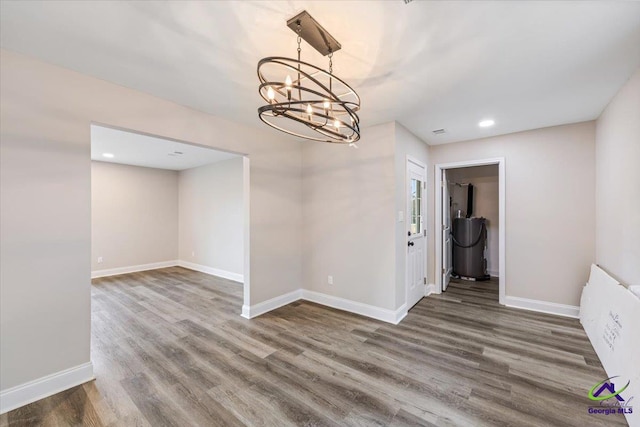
<point>428,65</point>
<point>135,149</point>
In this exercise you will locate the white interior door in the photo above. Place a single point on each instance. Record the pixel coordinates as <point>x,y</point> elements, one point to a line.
<point>416,236</point>
<point>447,262</point>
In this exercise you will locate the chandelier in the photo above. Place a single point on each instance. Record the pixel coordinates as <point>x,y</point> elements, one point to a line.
<point>304,100</point>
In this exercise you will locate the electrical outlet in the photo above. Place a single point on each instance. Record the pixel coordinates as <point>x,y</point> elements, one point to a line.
<point>330,280</point>
<point>193,254</point>
<point>99,260</point>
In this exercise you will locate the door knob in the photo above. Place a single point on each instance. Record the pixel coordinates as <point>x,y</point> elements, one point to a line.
<point>410,243</point>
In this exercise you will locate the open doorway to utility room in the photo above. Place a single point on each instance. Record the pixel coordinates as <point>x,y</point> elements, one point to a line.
<point>473,200</point>
<point>472,225</point>
<point>169,229</point>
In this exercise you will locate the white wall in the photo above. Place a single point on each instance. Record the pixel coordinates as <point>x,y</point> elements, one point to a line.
<point>145,215</point>
<point>550,207</point>
<point>618,185</point>
<point>351,198</point>
<point>406,144</point>
<point>348,210</point>
<point>485,203</point>
<point>134,215</point>
<point>45,117</point>
<point>212,215</point>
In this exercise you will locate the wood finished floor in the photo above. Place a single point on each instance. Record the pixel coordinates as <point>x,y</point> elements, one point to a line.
<point>169,348</point>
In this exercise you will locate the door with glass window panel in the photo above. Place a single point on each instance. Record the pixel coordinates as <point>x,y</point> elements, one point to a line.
<point>416,236</point>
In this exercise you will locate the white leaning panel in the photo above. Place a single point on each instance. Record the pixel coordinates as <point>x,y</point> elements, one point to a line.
<point>610,315</point>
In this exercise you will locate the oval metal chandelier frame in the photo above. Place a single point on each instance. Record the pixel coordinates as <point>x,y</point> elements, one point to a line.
<point>340,110</point>
<point>317,105</point>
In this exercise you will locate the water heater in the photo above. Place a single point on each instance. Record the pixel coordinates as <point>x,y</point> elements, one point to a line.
<point>469,247</point>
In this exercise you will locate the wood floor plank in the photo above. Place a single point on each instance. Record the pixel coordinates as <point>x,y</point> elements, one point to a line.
<point>152,401</point>
<point>169,348</point>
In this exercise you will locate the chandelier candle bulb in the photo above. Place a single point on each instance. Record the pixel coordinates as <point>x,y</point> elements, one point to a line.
<point>309,110</point>
<point>288,83</point>
<point>271,94</point>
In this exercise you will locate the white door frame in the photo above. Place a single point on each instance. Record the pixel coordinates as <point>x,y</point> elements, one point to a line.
<point>246,201</point>
<point>501,222</point>
<point>446,267</point>
<point>407,221</point>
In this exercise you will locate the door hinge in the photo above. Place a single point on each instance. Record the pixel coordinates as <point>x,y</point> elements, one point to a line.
<point>424,232</point>
<point>444,271</point>
<point>424,185</point>
<point>425,280</point>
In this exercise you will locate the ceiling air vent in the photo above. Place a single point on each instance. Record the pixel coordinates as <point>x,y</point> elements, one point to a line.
<point>407,1</point>
<point>438,131</point>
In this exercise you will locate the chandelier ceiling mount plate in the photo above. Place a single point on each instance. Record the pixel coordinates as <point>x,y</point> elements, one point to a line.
<point>313,33</point>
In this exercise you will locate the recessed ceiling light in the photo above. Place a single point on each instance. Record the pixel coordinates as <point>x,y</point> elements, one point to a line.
<point>486,123</point>
<point>108,155</point>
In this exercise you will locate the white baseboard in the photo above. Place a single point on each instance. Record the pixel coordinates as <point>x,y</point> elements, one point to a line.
<point>246,311</point>
<point>164,264</point>
<point>543,306</point>
<point>399,314</point>
<point>26,393</point>
<point>256,310</point>
<point>386,315</point>
<point>493,273</point>
<point>133,269</point>
<point>429,289</point>
<point>212,271</point>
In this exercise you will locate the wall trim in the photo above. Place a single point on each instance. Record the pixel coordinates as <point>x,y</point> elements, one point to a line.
<point>543,306</point>
<point>236,277</point>
<point>164,264</point>
<point>133,268</point>
<point>399,314</point>
<point>429,289</point>
<point>249,312</point>
<point>384,314</point>
<point>23,394</point>
<point>246,311</point>
<point>378,313</point>
<point>493,273</point>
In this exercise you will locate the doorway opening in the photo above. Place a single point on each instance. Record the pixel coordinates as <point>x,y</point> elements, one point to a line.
<point>160,203</point>
<point>470,212</point>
